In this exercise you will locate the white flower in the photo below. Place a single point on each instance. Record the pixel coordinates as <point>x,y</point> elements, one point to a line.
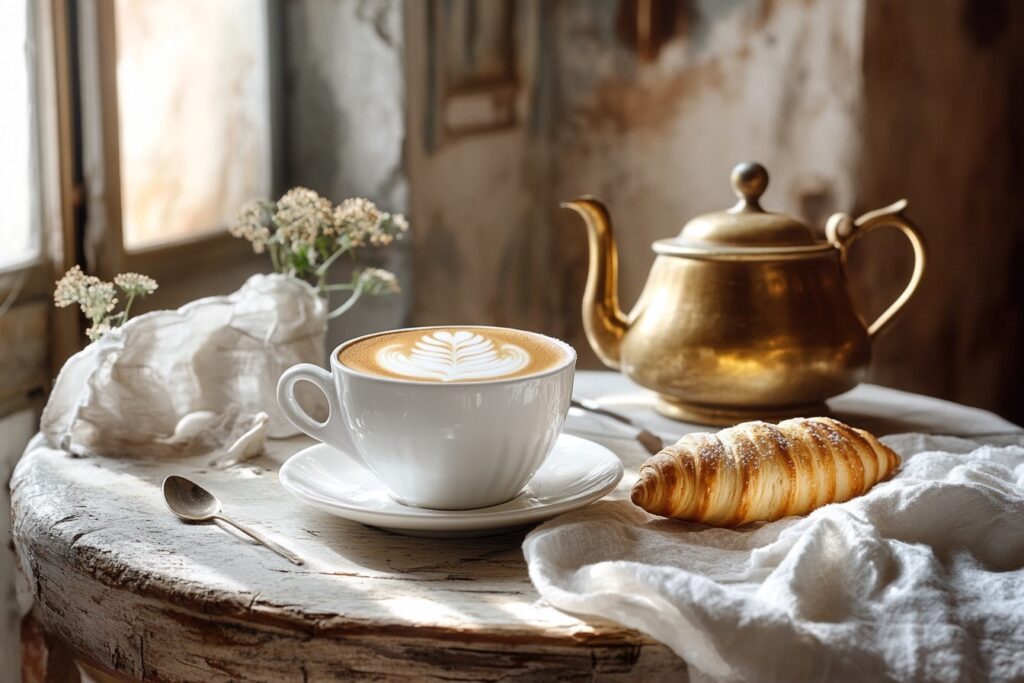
<point>305,233</point>
<point>390,228</point>
<point>401,225</point>
<point>358,220</point>
<point>72,287</point>
<point>251,224</point>
<point>135,284</point>
<point>95,297</point>
<point>98,330</point>
<point>302,215</point>
<point>379,281</point>
<point>363,224</point>
<point>99,299</point>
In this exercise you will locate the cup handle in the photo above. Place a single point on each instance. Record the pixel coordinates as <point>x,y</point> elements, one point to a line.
<point>332,431</point>
<point>842,231</point>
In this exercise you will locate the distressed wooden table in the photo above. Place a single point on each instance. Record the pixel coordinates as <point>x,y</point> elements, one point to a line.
<point>115,579</point>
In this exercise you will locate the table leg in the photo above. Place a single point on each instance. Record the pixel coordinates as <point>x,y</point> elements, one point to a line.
<point>44,659</point>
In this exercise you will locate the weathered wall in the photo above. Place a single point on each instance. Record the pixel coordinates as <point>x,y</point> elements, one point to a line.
<point>344,125</point>
<point>656,141</point>
<point>850,106</point>
<point>479,202</point>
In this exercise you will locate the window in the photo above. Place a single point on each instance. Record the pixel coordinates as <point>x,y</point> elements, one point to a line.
<point>177,133</point>
<point>28,178</point>
<point>193,108</point>
<point>132,132</point>
<point>18,227</point>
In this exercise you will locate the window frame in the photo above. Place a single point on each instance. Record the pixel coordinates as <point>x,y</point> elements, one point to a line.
<point>35,337</point>
<point>105,252</point>
<point>77,173</point>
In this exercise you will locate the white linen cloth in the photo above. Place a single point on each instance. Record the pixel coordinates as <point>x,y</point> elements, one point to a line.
<point>201,379</point>
<point>922,578</point>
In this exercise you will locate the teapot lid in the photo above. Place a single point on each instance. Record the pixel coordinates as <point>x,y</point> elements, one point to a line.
<point>746,228</point>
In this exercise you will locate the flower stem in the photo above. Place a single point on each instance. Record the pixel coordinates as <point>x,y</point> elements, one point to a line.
<point>127,307</point>
<point>275,258</point>
<point>322,270</point>
<point>349,303</point>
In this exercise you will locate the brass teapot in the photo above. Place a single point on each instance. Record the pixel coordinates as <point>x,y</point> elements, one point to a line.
<point>745,315</point>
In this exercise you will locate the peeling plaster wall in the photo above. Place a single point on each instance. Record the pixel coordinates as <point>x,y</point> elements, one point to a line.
<point>655,141</point>
<point>777,83</point>
<point>850,105</point>
<point>344,125</point>
<point>479,202</point>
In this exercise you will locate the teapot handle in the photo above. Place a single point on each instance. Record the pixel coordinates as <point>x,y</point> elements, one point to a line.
<point>842,231</point>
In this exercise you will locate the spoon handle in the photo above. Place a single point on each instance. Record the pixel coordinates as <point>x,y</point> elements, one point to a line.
<point>651,442</point>
<point>260,538</point>
<point>595,407</point>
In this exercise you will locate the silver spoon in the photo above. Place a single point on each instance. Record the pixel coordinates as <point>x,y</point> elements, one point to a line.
<point>193,503</point>
<point>651,442</point>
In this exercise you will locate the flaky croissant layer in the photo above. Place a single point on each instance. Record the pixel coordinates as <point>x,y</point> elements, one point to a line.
<point>759,471</point>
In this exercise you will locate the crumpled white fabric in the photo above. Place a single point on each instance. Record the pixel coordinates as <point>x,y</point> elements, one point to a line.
<point>196,380</point>
<point>922,578</point>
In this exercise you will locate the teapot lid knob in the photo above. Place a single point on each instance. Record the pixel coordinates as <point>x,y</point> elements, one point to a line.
<point>734,232</point>
<point>749,181</point>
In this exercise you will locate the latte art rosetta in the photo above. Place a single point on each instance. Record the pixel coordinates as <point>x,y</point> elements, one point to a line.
<point>453,356</point>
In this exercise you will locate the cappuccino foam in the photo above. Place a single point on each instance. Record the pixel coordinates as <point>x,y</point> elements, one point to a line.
<point>453,354</point>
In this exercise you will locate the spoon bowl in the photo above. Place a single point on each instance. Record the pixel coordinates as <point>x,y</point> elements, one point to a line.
<point>189,500</point>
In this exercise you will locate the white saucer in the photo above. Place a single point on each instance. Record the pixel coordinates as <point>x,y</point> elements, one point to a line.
<point>576,473</point>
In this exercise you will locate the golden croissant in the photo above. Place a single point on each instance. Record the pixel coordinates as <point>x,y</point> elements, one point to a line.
<point>758,471</point>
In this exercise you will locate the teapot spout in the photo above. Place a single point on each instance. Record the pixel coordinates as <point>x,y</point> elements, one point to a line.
<point>603,320</point>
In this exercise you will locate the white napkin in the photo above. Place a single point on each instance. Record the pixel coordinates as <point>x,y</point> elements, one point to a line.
<point>197,380</point>
<point>922,578</point>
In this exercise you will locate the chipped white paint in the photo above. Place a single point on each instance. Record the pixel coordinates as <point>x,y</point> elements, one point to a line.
<point>113,573</point>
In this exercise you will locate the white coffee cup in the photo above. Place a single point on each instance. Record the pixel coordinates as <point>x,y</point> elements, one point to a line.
<point>448,446</point>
